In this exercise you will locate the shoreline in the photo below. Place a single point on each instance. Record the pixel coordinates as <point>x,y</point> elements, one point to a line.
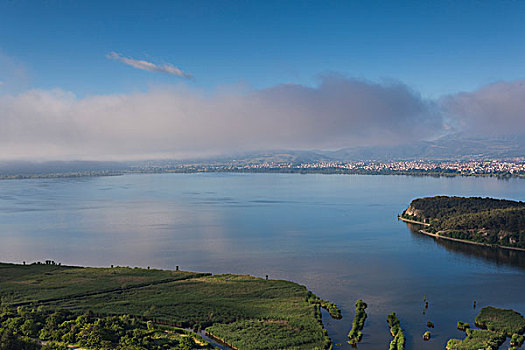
<point>412,221</point>
<point>436,235</point>
<point>300,171</point>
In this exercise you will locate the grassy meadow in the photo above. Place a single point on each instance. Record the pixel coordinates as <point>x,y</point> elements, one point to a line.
<point>243,311</point>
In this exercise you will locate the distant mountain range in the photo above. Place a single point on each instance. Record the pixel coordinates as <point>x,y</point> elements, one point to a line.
<point>453,147</point>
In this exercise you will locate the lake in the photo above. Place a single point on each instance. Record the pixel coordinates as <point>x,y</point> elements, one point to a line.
<point>336,234</point>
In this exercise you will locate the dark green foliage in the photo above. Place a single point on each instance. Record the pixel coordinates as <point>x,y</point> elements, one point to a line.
<point>332,309</point>
<point>355,335</point>
<point>398,343</point>
<point>463,326</point>
<point>504,321</point>
<point>440,207</point>
<point>477,339</point>
<point>498,324</point>
<point>58,329</point>
<point>9,340</point>
<point>54,346</point>
<point>482,220</point>
<point>179,299</point>
<point>517,340</point>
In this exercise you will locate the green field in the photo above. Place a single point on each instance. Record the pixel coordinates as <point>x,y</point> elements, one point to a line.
<point>244,311</point>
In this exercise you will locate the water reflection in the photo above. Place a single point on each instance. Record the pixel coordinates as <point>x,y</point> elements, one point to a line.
<point>338,235</point>
<point>499,256</point>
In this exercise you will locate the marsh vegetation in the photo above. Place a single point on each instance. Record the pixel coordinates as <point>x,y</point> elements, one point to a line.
<point>244,311</point>
<point>356,333</point>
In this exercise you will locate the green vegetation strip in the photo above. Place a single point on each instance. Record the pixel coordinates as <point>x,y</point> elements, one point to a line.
<point>355,335</point>
<point>477,339</point>
<point>504,321</point>
<point>497,324</point>
<point>398,343</point>
<point>243,311</point>
<point>485,221</point>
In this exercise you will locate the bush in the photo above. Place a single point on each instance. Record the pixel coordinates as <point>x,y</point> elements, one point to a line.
<point>355,335</point>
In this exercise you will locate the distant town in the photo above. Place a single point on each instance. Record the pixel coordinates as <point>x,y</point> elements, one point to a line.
<point>491,167</point>
<point>501,168</point>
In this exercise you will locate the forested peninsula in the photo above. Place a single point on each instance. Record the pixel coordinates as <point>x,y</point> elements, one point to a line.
<point>483,221</point>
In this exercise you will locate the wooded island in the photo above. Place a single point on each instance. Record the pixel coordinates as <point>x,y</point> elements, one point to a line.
<point>487,221</point>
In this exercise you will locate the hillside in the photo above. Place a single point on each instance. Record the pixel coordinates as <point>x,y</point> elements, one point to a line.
<point>481,220</point>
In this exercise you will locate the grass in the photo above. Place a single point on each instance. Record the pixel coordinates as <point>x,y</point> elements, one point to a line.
<point>355,335</point>
<point>463,326</point>
<point>497,324</point>
<point>244,311</point>
<point>504,321</point>
<point>272,335</point>
<point>22,284</point>
<point>477,339</point>
<point>398,343</point>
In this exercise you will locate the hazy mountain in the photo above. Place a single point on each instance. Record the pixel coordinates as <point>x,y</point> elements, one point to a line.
<point>453,147</point>
<point>31,168</point>
<point>446,148</point>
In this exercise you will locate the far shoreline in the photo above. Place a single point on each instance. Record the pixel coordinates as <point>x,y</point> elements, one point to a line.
<point>299,171</point>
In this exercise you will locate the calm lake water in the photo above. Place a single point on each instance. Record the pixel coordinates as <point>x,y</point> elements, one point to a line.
<point>337,234</point>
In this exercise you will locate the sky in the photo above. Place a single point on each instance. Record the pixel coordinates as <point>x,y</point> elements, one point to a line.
<point>136,79</point>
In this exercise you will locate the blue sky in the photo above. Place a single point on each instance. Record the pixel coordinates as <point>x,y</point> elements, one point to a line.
<point>170,79</point>
<point>435,47</point>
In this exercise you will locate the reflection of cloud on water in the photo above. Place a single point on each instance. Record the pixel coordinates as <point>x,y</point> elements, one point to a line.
<point>154,232</point>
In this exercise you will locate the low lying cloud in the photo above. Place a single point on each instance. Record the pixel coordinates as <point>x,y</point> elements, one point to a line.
<point>149,66</point>
<point>183,122</point>
<point>494,110</point>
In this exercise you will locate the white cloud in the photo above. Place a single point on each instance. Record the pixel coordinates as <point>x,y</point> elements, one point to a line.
<point>149,66</point>
<point>493,110</point>
<point>168,122</point>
